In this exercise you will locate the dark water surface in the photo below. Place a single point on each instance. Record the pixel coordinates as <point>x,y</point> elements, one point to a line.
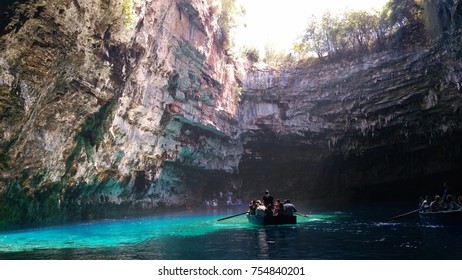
<point>348,233</point>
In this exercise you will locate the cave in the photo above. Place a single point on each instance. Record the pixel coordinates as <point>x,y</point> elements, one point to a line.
<point>154,103</point>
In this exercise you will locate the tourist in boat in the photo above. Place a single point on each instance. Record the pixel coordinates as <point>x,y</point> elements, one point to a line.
<point>436,204</point>
<point>252,207</point>
<point>277,203</point>
<point>459,200</point>
<point>451,204</point>
<point>289,208</point>
<point>268,199</point>
<point>260,211</point>
<point>425,204</point>
<point>280,210</point>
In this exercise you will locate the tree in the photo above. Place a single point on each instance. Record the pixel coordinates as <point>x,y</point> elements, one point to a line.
<point>399,23</point>
<point>361,27</point>
<point>333,28</point>
<point>314,39</point>
<point>276,58</point>
<point>406,22</point>
<point>404,12</point>
<point>335,35</point>
<point>381,29</point>
<point>229,20</point>
<point>251,54</point>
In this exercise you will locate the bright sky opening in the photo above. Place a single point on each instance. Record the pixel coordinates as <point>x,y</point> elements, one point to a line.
<point>279,22</point>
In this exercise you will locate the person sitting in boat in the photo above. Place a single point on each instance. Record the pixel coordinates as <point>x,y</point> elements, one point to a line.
<point>451,204</point>
<point>252,207</point>
<point>278,202</point>
<point>268,199</point>
<point>278,208</point>
<point>260,211</point>
<point>425,205</point>
<point>435,206</point>
<point>289,208</point>
<point>269,211</point>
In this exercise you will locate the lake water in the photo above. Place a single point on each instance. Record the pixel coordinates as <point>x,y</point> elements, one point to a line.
<point>346,233</point>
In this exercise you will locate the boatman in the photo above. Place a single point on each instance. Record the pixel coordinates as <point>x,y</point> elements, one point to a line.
<point>268,199</point>
<point>289,208</point>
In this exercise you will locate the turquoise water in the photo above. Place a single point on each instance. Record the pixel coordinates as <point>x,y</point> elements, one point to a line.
<point>352,233</point>
<point>113,233</point>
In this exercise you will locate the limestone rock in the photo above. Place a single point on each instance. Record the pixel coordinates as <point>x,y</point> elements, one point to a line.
<point>109,105</point>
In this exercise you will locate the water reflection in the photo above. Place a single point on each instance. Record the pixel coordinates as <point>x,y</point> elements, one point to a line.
<point>275,242</point>
<point>262,244</point>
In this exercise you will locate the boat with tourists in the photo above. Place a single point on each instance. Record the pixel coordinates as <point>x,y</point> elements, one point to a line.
<point>272,220</point>
<point>261,212</point>
<point>440,211</point>
<point>441,218</point>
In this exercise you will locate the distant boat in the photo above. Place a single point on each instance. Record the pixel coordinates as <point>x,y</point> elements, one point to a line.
<point>223,206</point>
<point>442,218</point>
<point>216,204</point>
<point>272,220</point>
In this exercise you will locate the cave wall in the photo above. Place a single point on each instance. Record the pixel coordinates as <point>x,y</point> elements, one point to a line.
<point>367,129</point>
<point>107,106</point>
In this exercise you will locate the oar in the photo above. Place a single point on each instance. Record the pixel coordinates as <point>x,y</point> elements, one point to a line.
<point>231,216</point>
<point>406,214</point>
<point>300,214</point>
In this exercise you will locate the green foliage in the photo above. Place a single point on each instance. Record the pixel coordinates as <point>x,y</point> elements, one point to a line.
<point>238,93</point>
<point>314,39</point>
<point>127,10</point>
<point>275,58</point>
<point>361,29</point>
<point>334,35</point>
<point>358,32</point>
<point>404,12</point>
<point>406,22</point>
<point>251,54</point>
<point>229,20</point>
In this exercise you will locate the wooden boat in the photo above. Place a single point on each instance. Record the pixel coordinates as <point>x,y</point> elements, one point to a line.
<point>274,220</point>
<point>442,218</point>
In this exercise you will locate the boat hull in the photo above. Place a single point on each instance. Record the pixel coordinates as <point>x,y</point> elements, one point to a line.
<point>275,220</point>
<point>442,218</point>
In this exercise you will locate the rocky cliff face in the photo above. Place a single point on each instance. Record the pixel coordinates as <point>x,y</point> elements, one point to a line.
<point>113,106</point>
<point>116,107</point>
<point>386,127</point>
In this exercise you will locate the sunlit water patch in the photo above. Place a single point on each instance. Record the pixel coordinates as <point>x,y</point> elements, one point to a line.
<point>109,233</point>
